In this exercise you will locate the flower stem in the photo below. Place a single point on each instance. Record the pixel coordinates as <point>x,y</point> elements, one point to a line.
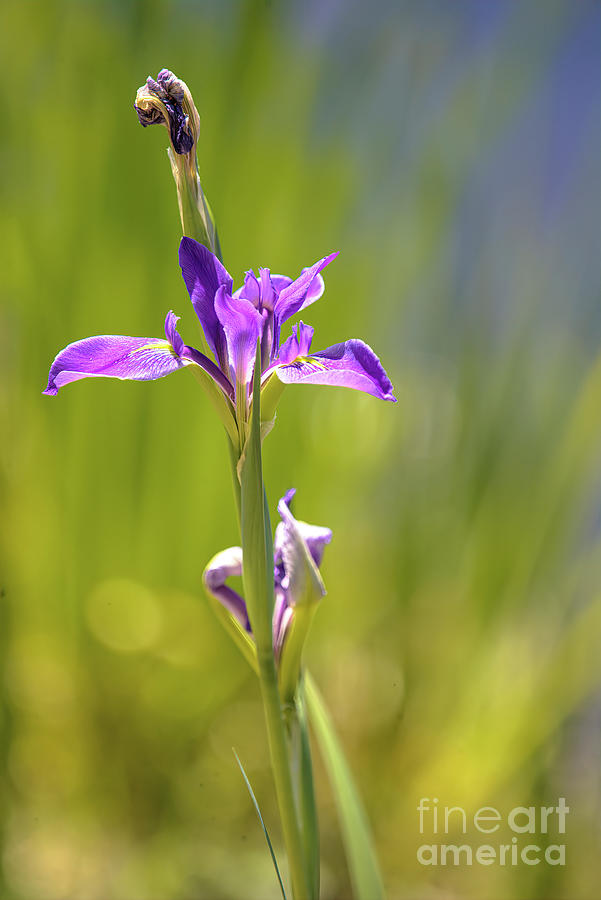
<point>278,745</point>
<point>302,773</point>
<point>280,763</point>
<point>235,481</point>
<point>257,573</point>
<point>279,749</point>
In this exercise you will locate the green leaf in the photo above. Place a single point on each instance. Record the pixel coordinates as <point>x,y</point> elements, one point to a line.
<point>360,853</point>
<point>266,833</point>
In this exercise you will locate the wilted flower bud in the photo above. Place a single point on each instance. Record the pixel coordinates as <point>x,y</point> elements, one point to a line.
<point>167,101</point>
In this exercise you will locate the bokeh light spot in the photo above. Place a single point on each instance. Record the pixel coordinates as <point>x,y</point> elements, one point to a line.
<point>124,615</point>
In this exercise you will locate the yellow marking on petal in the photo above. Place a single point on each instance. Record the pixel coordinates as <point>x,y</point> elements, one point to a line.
<point>163,346</point>
<point>304,361</point>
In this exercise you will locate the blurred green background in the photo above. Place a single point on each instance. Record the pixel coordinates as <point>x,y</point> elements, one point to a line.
<point>451,152</point>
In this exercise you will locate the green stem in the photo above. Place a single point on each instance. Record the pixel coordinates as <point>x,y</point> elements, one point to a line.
<point>235,482</point>
<point>280,763</point>
<point>257,573</point>
<point>302,773</point>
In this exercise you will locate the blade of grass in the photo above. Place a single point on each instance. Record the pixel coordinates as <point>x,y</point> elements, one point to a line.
<point>263,826</point>
<point>360,853</point>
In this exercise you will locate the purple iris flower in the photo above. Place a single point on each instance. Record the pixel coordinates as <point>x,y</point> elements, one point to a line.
<point>297,553</point>
<point>232,322</point>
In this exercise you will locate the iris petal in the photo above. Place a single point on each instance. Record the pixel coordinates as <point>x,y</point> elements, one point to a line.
<point>113,356</point>
<point>314,536</point>
<point>352,364</point>
<point>280,282</point>
<point>250,289</point>
<point>303,291</point>
<point>242,326</point>
<point>172,334</point>
<point>298,344</point>
<point>227,564</point>
<point>303,583</point>
<point>204,275</point>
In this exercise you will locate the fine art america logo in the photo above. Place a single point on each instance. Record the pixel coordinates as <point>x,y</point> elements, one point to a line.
<point>521,848</point>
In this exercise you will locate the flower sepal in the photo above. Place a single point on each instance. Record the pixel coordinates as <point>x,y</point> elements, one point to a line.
<point>227,605</point>
<point>271,391</point>
<point>299,546</point>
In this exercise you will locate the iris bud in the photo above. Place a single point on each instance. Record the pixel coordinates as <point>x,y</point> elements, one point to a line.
<point>167,101</point>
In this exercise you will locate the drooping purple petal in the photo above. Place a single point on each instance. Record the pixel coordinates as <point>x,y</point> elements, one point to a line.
<point>204,275</point>
<point>113,356</point>
<point>301,292</point>
<point>351,364</point>
<point>224,565</point>
<point>242,325</point>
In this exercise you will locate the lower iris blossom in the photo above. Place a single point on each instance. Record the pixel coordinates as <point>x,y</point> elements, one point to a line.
<point>297,550</point>
<point>233,323</point>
